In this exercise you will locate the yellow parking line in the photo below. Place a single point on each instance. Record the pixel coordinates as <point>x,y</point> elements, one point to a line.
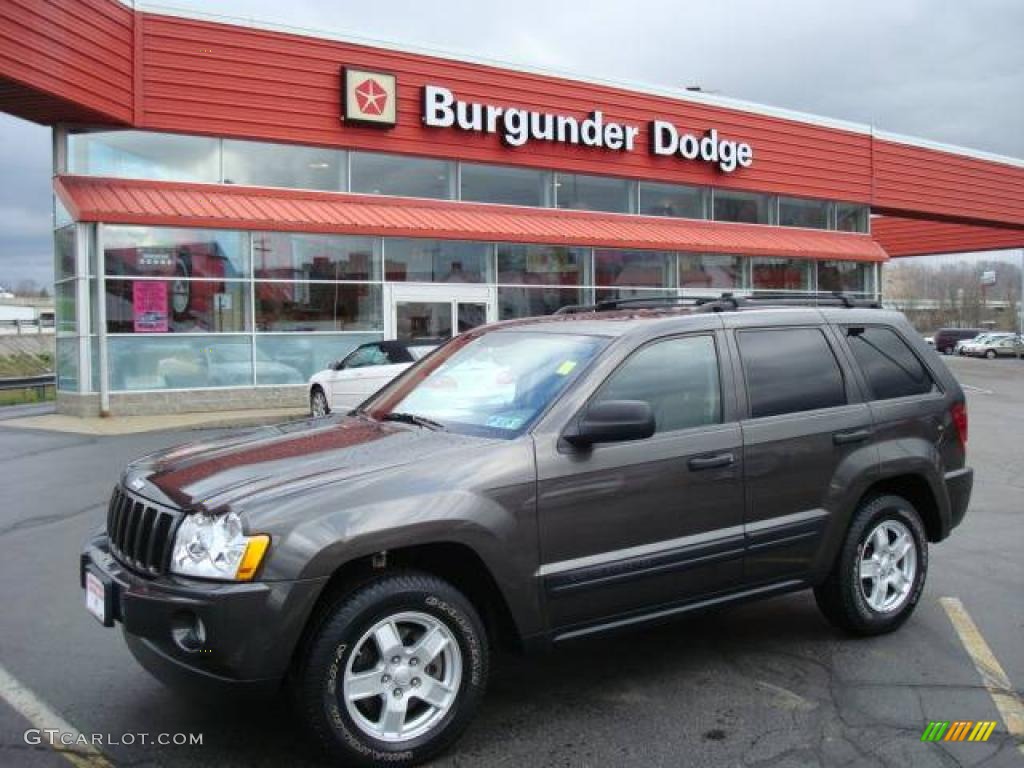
<point>40,716</point>
<point>992,674</point>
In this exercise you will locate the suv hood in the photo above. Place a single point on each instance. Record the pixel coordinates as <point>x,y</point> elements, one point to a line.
<point>283,459</point>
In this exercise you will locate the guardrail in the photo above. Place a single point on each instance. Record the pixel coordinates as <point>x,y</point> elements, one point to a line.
<point>39,383</point>
<point>21,327</point>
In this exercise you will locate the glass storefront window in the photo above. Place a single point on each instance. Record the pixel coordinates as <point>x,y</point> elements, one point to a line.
<point>262,164</point>
<point>64,252</point>
<point>145,155</point>
<point>541,264</point>
<point>531,302</point>
<point>178,253</point>
<point>183,362</point>
<point>502,184</point>
<point>284,256</point>
<point>436,261</point>
<point>634,268</point>
<point>710,271</point>
<point>592,193</point>
<point>798,212</point>
<point>67,365</point>
<point>177,306</point>
<point>673,200</point>
<point>608,294</point>
<point>65,305</point>
<point>748,207</point>
<point>851,217</point>
<point>306,354</point>
<point>845,276</point>
<point>378,174</point>
<point>318,306</point>
<point>776,274</point>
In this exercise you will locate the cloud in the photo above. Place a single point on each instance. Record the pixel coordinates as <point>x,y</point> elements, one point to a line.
<point>942,70</point>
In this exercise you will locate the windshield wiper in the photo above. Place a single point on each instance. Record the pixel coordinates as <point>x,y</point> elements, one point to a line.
<point>412,418</point>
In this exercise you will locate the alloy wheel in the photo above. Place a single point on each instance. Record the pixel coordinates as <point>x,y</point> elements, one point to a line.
<point>887,566</point>
<point>403,677</point>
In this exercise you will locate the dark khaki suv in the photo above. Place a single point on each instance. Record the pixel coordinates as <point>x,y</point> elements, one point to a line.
<point>534,482</point>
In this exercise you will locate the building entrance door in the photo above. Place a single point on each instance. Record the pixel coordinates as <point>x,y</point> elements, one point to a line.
<point>436,312</point>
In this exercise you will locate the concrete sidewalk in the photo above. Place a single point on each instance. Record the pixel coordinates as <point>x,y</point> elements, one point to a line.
<point>126,425</point>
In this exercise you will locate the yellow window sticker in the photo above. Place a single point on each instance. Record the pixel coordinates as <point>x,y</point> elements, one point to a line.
<point>566,368</point>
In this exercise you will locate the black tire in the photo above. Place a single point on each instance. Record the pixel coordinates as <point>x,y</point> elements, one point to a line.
<point>991,354</point>
<point>317,392</point>
<point>840,597</point>
<point>317,681</point>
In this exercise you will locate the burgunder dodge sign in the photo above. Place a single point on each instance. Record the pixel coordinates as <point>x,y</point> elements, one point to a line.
<point>369,98</point>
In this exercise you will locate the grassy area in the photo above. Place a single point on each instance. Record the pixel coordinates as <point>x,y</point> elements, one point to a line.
<point>24,364</point>
<point>25,396</point>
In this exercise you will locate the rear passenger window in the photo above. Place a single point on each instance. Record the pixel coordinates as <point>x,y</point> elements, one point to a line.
<point>891,368</point>
<point>677,377</point>
<point>790,370</point>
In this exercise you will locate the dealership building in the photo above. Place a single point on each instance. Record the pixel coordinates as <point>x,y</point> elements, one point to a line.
<point>238,205</point>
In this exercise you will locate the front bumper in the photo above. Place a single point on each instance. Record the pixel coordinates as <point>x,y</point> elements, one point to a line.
<point>251,629</point>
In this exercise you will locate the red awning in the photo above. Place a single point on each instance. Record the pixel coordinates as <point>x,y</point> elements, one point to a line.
<point>121,201</point>
<point>916,237</point>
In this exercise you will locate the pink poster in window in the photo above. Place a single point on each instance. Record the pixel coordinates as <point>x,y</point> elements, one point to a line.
<point>149,307</point>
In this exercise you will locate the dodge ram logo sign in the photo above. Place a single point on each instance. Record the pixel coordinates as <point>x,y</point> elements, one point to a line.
<point>369,97</point>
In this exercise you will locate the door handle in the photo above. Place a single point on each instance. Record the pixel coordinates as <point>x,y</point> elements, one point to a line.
<point>855,436</point>
<point>711,462</point>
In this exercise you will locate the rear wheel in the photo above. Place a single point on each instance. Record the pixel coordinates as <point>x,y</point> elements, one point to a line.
<point>878,577</point>
<point>318,403</point>
<point>394,673</point>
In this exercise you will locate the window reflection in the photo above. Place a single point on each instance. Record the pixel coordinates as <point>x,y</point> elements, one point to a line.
<point>314,257</point>
<point>317,306</point>
<point>264,164</point>
<point>846,276</point>
<point>145,155</point>
<point>179,253</point>
<point>177,306</point>
<point>532,302</point>
<point>592,193</point>
<point>379,174</point>
<point>639,268</point>
<point>748,207</point>
<point>506,185</point>
<point>707,270</point>
<point>541,264</point>
<point>796,212</point>
<point>673,200</point>
<point>436,261</point>
<point>781,274</point>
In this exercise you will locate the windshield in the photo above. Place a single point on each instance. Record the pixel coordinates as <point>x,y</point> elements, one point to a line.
<point>493,384</point>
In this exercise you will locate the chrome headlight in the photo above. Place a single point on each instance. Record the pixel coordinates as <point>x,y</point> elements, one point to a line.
<point>214,547</point>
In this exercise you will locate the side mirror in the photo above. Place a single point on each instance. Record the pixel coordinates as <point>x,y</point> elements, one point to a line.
<point>337,364</point>
<point>612,421</point>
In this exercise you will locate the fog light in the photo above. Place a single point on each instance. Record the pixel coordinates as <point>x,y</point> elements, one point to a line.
<point>188,631</point>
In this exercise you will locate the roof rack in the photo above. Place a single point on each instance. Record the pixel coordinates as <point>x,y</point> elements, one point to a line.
<point>725,302</point>
<point>729,302</point>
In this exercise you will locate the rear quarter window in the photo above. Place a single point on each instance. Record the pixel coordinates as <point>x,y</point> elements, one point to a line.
<point>890,367</point>
<point>789,370</point>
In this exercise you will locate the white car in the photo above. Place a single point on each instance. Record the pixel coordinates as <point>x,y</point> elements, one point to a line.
<point>365,369</point>
<point>967,346</point>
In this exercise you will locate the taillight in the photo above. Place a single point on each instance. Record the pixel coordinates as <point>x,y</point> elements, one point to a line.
<point>959,415</point>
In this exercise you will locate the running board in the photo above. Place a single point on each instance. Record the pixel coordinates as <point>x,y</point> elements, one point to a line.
<point>664,614</point>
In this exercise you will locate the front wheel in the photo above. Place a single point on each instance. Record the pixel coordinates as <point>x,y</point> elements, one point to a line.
<point>394,673</point>
<point>880,571</point>
<point>991,354</point>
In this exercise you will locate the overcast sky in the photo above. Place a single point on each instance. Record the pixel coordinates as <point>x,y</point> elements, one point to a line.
<point>945,70</point>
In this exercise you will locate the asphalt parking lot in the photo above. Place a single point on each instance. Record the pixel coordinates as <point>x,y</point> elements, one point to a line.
<point>759,685</point>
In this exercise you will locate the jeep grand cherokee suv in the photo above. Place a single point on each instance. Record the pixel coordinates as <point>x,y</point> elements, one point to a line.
<point>533,482</point>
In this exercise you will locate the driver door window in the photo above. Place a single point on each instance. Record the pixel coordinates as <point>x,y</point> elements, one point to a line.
<point>678,378</point>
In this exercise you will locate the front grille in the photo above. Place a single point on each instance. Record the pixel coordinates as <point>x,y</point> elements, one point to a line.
<point>141,533</point>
